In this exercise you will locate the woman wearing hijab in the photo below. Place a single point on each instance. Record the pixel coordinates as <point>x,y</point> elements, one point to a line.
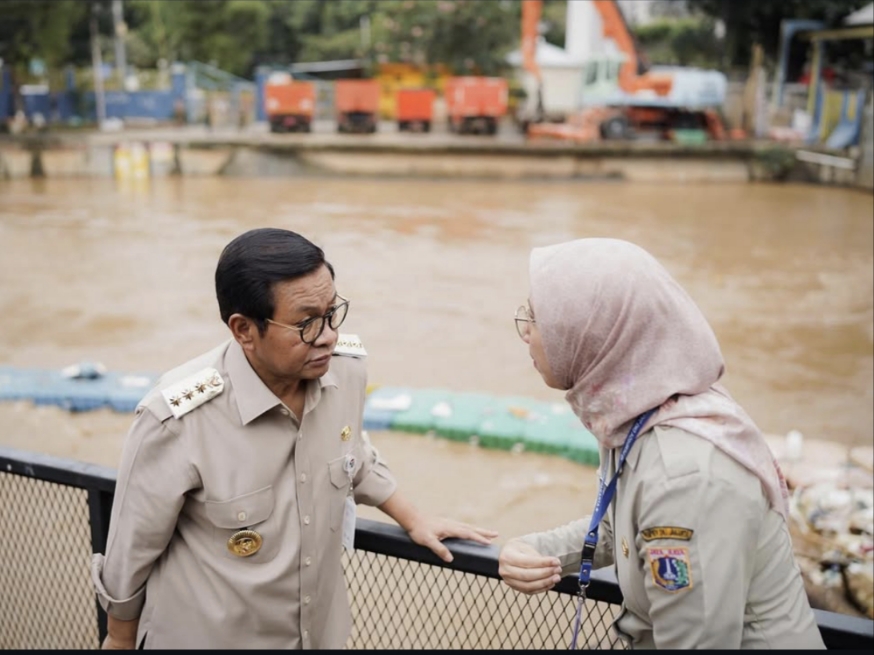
<point>695,520</point>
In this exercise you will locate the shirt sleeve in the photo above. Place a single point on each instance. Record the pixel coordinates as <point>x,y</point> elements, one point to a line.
<point>374,483</point>
<point>153,477</point>
<point>566,543</point>
<point>697,584</point>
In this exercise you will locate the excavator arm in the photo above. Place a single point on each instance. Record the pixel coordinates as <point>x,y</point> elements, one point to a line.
<point>531,12</point>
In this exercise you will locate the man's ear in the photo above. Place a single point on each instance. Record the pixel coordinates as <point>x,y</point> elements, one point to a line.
<point>244,330</point>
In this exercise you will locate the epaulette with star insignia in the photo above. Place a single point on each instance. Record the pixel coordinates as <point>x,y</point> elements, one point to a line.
<point>350,345</point>
<point>191,392</point>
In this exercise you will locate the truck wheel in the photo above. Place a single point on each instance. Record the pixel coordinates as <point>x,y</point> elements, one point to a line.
<point>307,127</point>
<point>426,126</point>
<point>615,128</point>
<point>492,127</point>
<point>402,126</point>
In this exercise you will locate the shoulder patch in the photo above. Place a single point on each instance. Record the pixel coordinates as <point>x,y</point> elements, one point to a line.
<point>193,391</point>
<point>666,532</point>
<point>671,568</point>
<point>350,345</point>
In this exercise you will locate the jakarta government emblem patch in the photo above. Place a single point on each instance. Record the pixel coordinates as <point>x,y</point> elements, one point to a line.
<point>671,569</point>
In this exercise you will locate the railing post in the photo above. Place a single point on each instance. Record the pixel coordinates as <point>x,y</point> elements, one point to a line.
<point>99,508</point>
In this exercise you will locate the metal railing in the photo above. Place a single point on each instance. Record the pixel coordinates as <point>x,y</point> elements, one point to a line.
<point>54,513</point>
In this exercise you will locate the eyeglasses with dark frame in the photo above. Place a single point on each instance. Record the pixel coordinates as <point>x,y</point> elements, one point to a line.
<point>312,328</point>
<point>524,320</point>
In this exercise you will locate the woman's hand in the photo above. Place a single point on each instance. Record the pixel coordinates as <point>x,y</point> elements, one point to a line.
<point>524,569</point>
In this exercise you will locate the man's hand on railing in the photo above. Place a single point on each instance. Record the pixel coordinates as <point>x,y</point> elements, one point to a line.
<point>430,531</point>
<point>522,568</point>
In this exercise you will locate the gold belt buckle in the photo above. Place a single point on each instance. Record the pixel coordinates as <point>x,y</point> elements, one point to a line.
<point>245,543</point>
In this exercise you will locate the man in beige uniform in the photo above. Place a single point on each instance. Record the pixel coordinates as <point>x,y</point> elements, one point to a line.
<point>701,558</point>
<point>238,478</point>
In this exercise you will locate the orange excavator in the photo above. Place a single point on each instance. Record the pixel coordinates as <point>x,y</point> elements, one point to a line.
<point>619,98</point>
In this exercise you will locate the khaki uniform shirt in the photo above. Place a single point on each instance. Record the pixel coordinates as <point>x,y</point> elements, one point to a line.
<point>239,461</point>
<point>701,559</point>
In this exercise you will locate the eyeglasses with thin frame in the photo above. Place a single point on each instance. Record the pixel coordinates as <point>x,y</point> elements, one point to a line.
<point>312,328</point>
<point>524,320</point>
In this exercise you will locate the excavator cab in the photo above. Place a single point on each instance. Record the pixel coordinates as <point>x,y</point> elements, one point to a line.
<point>601,80</point>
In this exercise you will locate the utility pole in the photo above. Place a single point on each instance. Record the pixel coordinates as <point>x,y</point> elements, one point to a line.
<point>97,66</point>
<point>120,29</point>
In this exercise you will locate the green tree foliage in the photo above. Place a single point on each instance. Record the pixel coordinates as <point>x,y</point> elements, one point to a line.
<point>236,35</point>
<point>220,32</point>
<point>466,35</point>
<point>469,36</point>
<point>680,42</point>
<point>37,29</point>
<point>555,18</point>
<point>758,21</point>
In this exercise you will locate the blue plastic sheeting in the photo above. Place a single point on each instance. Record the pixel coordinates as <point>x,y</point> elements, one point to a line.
<point>116,391</point>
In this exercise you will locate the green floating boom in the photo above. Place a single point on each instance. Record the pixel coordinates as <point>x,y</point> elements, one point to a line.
<point>503,423</point>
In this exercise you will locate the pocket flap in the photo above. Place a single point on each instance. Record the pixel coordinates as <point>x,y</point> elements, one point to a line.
<point>337,470</point>
<point>242,511</point>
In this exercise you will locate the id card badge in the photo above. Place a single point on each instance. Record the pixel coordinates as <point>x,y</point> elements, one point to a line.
<point>349,524</point>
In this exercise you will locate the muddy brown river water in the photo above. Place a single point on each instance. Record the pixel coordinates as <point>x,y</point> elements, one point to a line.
<point>91,270</point>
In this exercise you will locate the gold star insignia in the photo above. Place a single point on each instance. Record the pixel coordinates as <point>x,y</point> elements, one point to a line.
<point>200,388</point>
<point>188,394</point>
<point>175,401</point>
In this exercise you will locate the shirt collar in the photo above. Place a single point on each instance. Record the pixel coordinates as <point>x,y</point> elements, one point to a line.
<point>253,397</point>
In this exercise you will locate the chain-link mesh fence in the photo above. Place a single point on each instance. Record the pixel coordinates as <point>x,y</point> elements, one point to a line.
<point>48,520</point>
<point>47,601</point>
<point>404,604</point>
<point>46,597</point>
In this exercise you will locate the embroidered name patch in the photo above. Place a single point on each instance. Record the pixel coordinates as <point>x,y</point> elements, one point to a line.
<point>668,532</point>
<point>671,569</point>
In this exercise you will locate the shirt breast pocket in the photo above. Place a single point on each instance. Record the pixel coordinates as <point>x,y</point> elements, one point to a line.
<point>244,526</point>
<point>340,483</point>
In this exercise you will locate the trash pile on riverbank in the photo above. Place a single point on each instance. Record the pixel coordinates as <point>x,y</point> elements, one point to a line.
<point>831,520</point>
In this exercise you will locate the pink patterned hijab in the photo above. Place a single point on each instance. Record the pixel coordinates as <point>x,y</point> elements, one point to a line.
<point>622,336</point>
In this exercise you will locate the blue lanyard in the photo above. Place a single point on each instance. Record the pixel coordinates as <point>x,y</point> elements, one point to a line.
<point>602,503</point>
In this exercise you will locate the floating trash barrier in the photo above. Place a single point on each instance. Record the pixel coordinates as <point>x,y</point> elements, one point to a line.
<point>77,388</point>
<point>511,423</point>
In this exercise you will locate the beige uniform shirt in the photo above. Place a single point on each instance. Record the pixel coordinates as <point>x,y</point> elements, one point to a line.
<point>701,559</point>
<point>239,461</point>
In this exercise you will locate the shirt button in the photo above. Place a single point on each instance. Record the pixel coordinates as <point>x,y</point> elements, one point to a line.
<point>283,411</point>
<point>308,561</point>
<point>306,600</point>
<point>306,634</point>
<point>241,516</point>
<point>303,477</point>
<point>306,520</point>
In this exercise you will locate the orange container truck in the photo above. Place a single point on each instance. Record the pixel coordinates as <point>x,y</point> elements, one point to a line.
<point>357,105</point>
<point>289,104</point>
<point>415,109</point>
<point>475,104</point>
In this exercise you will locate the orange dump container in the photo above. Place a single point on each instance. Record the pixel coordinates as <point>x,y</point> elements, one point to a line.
<point>475,104</point>
<point>290,105</point>
<point>415,105</point>
<point>357,104</point>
